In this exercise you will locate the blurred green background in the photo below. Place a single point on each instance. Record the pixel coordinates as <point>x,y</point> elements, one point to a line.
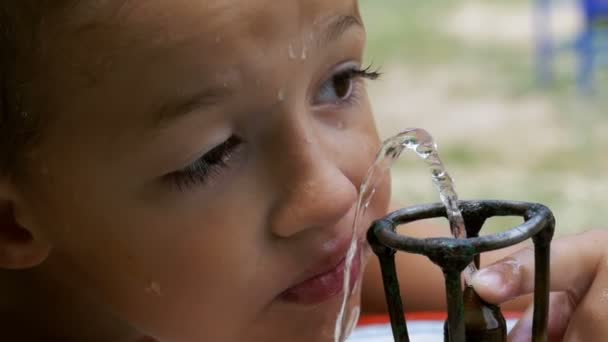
<point>465,71</point>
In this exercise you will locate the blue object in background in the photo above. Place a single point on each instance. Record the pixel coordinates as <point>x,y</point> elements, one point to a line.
<point>594,10</point>
<point>544,43</point>
<point>591,44</point>
<point>593,41</point>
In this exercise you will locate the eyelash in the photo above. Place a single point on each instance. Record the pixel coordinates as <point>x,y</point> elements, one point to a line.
<point>368,72</point>
<point>353,75</point>
<point>206,167</point>
<point>213,162</point>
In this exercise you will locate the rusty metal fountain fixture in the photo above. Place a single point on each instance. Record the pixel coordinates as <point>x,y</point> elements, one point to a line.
<point>466,321</point>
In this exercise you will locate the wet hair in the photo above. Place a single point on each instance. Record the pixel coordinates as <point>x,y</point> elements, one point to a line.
<point>19,124</point>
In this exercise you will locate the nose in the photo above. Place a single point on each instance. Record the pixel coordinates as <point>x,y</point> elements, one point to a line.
<point>316,193</point>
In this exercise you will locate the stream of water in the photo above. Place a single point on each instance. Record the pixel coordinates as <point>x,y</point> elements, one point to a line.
<point>422,143</point>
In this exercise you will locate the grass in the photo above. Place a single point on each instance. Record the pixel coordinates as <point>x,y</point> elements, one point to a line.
<point>401,28</point>
<point>569,177</point>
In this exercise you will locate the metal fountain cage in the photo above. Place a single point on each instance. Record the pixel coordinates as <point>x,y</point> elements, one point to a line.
<point>453,255</point>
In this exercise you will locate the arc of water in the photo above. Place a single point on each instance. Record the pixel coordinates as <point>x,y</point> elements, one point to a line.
<point>423,144</point>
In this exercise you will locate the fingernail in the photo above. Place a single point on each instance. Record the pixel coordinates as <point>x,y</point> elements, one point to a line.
<point>489,278</point>
<point>500,279</point>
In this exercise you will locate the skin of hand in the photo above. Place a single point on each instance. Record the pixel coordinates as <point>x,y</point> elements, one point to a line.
<point>578,304</point>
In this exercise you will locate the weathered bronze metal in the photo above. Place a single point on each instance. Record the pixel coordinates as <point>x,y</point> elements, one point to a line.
<point>453,255</point>
<point>483,322</point>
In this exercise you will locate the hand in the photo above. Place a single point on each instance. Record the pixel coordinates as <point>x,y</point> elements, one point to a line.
<point>578,304</point>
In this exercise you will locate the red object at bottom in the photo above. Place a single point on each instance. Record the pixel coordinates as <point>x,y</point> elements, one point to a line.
<point>421,316</point>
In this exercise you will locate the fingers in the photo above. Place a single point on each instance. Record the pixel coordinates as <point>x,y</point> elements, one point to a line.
<point>574,263</point>
<point>590,320</point>
<point>562,309</point>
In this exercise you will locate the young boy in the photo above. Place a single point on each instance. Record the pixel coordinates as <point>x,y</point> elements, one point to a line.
<point>187,171</point>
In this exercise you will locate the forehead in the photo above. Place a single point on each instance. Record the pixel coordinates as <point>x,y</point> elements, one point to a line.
<point>157,50</point>
<point>249,17</point>
<point>97,35</point>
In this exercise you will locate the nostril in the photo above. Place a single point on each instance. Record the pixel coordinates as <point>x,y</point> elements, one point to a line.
<point>11,230</point>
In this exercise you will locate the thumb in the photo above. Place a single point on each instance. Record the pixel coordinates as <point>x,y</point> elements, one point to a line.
<point>574,263</point>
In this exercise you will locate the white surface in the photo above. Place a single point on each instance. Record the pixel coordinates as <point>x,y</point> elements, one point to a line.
<point>419,331</point>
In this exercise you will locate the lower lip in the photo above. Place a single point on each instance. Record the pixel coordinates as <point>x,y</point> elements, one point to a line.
<point>323,287</point>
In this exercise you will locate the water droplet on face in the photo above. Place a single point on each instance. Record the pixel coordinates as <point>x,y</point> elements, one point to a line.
<point>218,39</point>
<point>303,55</point>
<point>153,289</point>
<point>604,297</point>
<point>281,95</point>
<point>290,52</point>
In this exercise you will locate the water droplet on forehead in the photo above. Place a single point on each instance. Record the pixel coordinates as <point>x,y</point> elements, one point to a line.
<point>281,95</point>
<point>303,55</point>
<point>290,52</point>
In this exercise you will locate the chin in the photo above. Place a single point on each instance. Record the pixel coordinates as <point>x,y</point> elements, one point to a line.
<point>296,324</point>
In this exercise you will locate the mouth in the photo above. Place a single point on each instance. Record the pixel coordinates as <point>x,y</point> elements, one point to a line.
<point>326,280</point>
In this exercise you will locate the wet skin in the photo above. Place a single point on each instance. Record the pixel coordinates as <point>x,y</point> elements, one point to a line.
<point>200,159</point>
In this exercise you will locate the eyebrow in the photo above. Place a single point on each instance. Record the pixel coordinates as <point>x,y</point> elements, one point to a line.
<point>337,27</point>
<point>168,113</point>
<point>188,104</point>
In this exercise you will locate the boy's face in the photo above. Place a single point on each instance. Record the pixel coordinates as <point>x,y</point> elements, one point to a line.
<point>202,160</point>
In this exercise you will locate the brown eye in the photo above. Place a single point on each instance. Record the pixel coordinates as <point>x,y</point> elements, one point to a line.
<point>336,89</point>
<point>343,85</point>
